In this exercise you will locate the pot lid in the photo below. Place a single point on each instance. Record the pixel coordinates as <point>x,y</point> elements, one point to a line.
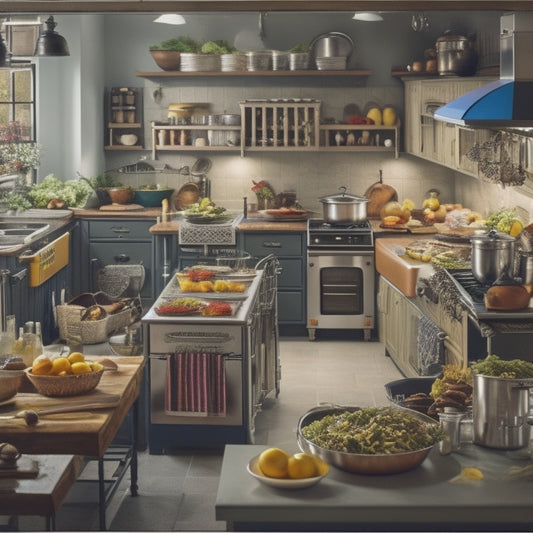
<point>492,236</point>
<point>452,37</point>
<point>343,198</point>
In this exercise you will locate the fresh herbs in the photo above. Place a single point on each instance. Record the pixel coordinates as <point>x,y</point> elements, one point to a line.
<point>178,44</point>
<point>73,192</point>
<point>492,365</point>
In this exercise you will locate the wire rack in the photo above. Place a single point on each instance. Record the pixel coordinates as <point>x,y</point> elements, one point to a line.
<point>208,234</point>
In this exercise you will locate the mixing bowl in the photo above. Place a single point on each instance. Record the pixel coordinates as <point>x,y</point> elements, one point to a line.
<point>373,464</point>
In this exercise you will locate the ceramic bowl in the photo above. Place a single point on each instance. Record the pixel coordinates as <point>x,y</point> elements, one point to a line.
<point>120,195</point>
<point>128,139</point>
<point>10,381</point>
<point>151,198</point>
<point>167,59</point>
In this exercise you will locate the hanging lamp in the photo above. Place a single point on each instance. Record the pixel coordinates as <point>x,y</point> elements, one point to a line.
<point>171,18</point>
<point>50,43</point>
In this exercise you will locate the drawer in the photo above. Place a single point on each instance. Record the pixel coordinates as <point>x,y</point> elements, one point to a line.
<point>120,229</point>
<point>281,244</point>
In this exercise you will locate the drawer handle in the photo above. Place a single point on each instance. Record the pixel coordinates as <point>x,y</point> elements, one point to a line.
<point>271,244</point>
<point>122,258</point>
<point>120,229</point>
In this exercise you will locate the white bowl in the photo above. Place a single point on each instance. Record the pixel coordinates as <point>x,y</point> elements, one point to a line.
<point>284,483</point>
<point>128,139</point>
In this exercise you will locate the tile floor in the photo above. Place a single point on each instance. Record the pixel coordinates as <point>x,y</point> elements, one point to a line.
<point>177,491</point>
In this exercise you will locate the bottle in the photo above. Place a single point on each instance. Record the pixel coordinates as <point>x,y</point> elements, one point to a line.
<point>38,343</point>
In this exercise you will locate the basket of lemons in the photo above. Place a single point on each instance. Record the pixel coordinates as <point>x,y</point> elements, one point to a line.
<point>64,376</point>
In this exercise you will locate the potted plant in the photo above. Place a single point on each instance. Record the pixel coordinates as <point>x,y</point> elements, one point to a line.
<point>167,54</point>
<point>299,57</point>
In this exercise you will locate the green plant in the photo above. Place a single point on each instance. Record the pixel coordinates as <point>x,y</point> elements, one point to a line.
<point>217,47</point>
<point>178,44</point>
<point>102,180</point>
<point>299,49</point>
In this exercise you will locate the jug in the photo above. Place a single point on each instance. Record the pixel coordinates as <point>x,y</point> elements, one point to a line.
<point>500,408</point>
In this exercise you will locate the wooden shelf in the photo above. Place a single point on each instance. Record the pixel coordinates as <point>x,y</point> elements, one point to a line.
<point>124,125</point>
<point>123,147</point>
<point>254,73</point>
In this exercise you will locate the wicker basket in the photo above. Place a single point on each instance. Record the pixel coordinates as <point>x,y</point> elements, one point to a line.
<point>71,385</point>
<point>92,331</point>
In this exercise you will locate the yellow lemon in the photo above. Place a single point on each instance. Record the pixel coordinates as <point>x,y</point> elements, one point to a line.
<point>516,228</point>
<point>302,465</point>
<point>273,462</point>
<point>80,368</point>
<point>41,366</point>
<point>60,365</point>
<point>472,473</point>
<point>76,357</point>
<point>389,116</point>
<point>375,115</point>
<point>408,204</point>
<point>96,367</point>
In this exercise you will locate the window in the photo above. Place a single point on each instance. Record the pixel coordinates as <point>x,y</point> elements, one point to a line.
<point>17,104</point>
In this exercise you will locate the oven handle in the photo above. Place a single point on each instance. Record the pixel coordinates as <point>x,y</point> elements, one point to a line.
<point>326,252</point>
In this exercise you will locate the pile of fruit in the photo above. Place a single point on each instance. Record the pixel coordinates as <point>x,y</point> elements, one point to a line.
<point>74,363</point>
<point>277,463</point>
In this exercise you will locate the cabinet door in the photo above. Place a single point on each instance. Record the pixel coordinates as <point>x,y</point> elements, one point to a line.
<point>413,110</point>
<point>120,229</point>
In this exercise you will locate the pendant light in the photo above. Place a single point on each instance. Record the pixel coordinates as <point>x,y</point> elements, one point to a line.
<point>171,18</point>
<point>50,43</point>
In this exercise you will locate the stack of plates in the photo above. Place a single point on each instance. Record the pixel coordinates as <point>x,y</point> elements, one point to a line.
<point>331,63</point>
<point>199,62</point>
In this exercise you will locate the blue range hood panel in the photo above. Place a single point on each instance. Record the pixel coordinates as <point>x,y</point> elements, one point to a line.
<point>501,103</point>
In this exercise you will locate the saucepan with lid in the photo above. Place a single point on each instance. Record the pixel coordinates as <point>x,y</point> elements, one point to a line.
<point>492,256</point>
<point>342,208</point>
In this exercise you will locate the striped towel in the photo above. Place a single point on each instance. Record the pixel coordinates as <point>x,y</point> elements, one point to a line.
<point>430,347</point>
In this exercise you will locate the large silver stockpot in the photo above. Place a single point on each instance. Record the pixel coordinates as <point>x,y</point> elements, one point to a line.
<point>456,55</point>
<point>500,409</point>
<point>492,256</point>
<point>341,208</point>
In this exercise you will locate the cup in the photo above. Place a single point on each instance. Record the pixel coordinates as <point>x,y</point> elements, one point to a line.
<point>451,424</point>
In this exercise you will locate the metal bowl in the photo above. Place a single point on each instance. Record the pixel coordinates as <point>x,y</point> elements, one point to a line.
<point>377,464</point>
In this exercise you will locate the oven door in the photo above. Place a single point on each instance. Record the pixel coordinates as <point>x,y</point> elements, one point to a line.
<point>340,289</point>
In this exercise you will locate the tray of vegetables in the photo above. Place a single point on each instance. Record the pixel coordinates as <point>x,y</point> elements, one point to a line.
<point>196,306</point>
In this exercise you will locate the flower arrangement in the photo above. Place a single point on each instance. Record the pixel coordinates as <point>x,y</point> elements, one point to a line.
<point>17,154</point>
<point>263,190</point>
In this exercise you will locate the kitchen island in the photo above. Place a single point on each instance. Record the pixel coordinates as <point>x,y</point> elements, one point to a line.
<point>428,498</point>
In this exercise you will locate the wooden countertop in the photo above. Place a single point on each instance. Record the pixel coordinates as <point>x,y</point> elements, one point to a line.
<point>172,227</point>
<point>145,212</point>
<point>80,433</point>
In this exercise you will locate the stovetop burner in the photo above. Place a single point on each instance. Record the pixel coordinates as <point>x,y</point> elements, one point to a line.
<point>346,235</point>
<point>471,285</point>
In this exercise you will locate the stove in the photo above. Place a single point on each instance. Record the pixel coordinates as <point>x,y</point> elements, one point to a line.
<point>348,235</point>
<point>473,296</point>
<point>340,276</point>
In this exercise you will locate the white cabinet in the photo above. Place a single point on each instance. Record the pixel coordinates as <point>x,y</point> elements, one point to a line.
<point>432,139</point>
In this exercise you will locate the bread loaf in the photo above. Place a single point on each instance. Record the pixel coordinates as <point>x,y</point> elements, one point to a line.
<point>507,298</point>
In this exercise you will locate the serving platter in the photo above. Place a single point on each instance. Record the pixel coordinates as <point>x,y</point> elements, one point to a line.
<point>164,308</point>
<point>284,214</point>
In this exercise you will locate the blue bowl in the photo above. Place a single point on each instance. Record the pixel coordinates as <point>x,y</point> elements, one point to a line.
<point>148,198</point>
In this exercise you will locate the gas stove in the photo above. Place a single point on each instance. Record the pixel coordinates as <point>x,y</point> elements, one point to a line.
<point>348,235</point>
<point>473,296</point>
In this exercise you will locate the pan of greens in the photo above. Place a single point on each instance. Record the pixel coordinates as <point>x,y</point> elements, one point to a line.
<point>374,440</point>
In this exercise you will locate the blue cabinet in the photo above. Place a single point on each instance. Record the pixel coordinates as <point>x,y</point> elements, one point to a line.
<point>289,248</point>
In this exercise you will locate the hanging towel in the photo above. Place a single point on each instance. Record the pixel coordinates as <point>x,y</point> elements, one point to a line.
<point>195,384</point>
<point>430,344</point>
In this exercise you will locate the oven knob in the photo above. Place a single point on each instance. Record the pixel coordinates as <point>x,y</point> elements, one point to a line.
<point>317,240</point>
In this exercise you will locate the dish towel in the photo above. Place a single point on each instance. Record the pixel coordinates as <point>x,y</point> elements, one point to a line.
<point>195,384</point>
<point>430,344</point>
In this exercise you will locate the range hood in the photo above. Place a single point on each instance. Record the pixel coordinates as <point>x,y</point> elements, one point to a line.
<point>507,102</point>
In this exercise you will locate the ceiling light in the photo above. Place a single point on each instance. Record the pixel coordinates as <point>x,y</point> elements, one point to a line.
<point>50,43</point>
<point>171,18</point>
<point>367,16</point>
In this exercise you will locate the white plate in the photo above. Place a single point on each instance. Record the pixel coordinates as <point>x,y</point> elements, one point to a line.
<point>254,471</point>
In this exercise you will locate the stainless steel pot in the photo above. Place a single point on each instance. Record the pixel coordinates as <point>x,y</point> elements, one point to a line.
<point>456,55</point>
<point>492,256</point>
<point>341,208</point>
<point>500,408</point>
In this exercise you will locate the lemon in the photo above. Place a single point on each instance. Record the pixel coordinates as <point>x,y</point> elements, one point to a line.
<point>273,462</point>
<point>76,357</point>
<point>516,228</point>
<point>408,204</point>
<point>80,368</point>
<point>41,366</point>
<point>60,365</point>
<point>375,115</point>
<point>472,473</point>
<point>96,367</point>
<point>301,465</point>
<point>389,116</point>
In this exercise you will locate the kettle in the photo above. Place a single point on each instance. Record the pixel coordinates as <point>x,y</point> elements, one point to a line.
<point>456,55</point>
